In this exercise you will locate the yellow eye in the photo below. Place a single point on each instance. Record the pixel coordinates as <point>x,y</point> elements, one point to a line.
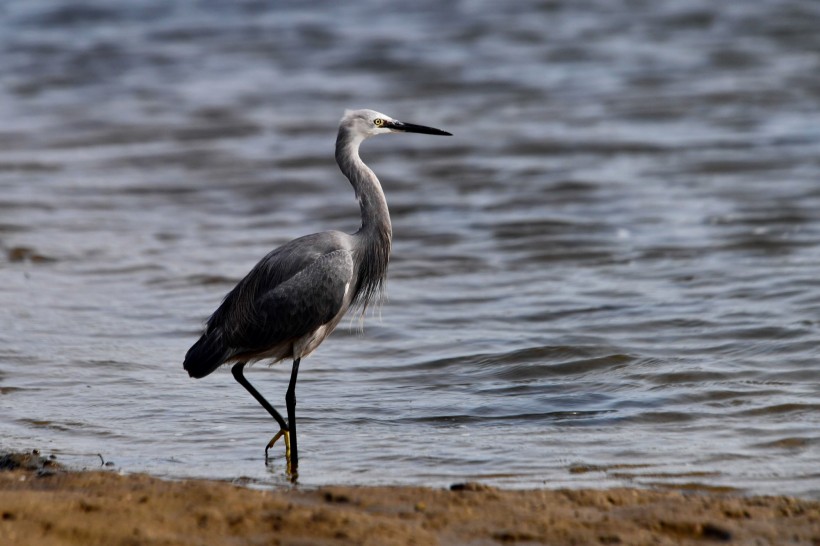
<point>378,122</point>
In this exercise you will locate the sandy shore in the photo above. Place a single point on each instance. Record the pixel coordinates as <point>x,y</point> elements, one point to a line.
<point>43,504</point>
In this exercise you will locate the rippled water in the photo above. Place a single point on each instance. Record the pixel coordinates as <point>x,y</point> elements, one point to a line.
<point>608,276</point>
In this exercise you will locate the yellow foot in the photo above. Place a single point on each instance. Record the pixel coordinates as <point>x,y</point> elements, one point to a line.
<point>279,434</point>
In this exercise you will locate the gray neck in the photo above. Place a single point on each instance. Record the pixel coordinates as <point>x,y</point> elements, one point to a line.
<point>375,236</point>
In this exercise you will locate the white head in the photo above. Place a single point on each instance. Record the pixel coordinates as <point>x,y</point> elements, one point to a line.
<point>367,123</point>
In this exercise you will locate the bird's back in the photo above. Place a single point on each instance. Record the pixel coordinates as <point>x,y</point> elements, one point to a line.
<point>296,292</point>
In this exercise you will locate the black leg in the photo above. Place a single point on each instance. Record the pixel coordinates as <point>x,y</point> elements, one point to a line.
<point>290,401</point>
<point>237,374</point>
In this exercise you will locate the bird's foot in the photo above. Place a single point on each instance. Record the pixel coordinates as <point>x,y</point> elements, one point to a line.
<point>281,433</point>
<point>291,469</point>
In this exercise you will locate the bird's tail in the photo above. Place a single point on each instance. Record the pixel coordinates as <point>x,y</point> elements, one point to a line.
<point>207,354</point>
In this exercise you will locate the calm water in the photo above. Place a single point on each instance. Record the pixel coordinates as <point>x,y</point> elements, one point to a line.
<point>610,275</point>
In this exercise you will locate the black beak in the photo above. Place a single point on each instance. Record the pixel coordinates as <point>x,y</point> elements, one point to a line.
<point>411,128</point>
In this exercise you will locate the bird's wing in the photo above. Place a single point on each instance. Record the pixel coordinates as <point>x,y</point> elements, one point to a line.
<point>306,300</point>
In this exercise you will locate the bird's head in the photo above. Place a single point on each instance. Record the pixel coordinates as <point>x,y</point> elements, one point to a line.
<point>368,123</point>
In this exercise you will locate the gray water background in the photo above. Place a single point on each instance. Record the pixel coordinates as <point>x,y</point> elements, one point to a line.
<point>608,276</point>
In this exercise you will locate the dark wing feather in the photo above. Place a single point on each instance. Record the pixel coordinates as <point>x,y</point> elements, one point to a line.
<point>304,302</point>
<point>289,293</point>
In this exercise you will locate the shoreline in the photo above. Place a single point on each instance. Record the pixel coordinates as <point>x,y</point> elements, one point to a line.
<point>44,503</point>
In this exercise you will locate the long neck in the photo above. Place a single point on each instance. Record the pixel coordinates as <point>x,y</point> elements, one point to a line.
<point>375,236</point>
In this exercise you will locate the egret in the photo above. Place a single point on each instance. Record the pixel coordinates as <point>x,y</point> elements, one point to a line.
<point>297,294</point>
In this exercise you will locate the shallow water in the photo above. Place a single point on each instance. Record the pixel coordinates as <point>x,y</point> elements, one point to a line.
<point>608,276</point>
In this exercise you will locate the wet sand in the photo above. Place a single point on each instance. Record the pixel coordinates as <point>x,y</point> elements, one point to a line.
<point>42,503</point>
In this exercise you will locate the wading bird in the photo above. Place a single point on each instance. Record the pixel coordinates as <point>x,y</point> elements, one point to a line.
<point>297,294</point>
